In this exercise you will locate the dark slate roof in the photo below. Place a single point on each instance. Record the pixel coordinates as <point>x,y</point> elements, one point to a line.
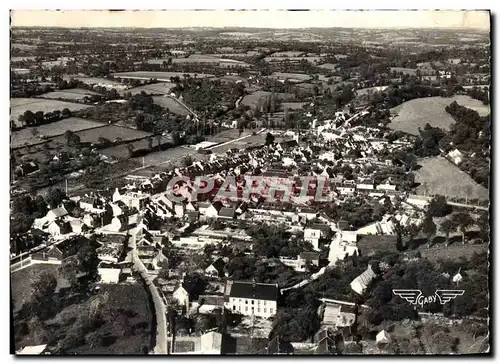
<point>348,309</point>
<point>219,264</point>
<point>227,212</point>
<point>213,300</point>
<point>309,255</point>
<point>260,291</point>
<point>343,225</point>
<point>193,214</point>
<point>217,205</point>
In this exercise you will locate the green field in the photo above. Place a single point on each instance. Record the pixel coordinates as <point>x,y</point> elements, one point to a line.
<point>417,112</point>
<point>156,88</point>
<point>74,94</point>
<point>160,76</point>
<point>440,177</point>
<point>28,135</point>
<point>19,105</point>
<point>252,99</point>
<point>171,104</point>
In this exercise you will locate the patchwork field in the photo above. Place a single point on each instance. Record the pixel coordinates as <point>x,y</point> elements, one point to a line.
<point>32,135</point>
<point>440,177</point>
<point>417,112</point>
<point>71,94</point>
<point>19,105</point>
<point>171,104</point>
<point>160,76</point>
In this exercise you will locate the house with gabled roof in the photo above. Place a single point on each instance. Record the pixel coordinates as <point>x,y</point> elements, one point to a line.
<point>250,298</point>
<point>59,227</point>
<point>56,213</point>
<point>217,268</point>
<point>362,282</point>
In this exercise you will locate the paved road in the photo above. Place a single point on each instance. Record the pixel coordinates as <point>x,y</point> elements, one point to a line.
<point>428,198</point>
<point>160,307</point>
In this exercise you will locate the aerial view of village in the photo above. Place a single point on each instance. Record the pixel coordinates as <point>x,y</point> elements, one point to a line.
<point>240,190</point>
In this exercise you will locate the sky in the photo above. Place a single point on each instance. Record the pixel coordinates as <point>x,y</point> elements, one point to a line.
<point>252,19</point>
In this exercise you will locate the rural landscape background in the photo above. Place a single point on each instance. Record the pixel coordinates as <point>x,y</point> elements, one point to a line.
<point>101,119</point>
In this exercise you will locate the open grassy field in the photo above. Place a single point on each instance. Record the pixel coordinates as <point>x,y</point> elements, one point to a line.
<point>94,80</point>
<point>110,132</point>
<point>19,105</point>
<point>417,112</point>
<point>171,104</point>
<point>26,136</point>
<point>156,88</point>
<point>294,76</point>
<point>329,66</point>
<point>71,94</point>
<point>440,177</point>
<point>160,76</point>
<point>454,251</point>
<point>22,58</point>
<point>369,90</point>
<point>252,99</point>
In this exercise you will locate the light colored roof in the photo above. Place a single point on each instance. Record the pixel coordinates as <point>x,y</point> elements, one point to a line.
<point>60,211</point>
<point>366,277</point>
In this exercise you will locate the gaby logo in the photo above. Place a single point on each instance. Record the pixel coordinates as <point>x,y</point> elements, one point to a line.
<point>415,296</point>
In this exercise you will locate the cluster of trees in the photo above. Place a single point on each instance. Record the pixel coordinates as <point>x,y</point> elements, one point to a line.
<point>298,321</point>
<point>396,95</point>
<point>471,133</point>
<point>21,89</point>
<point>427,144</point>
<point>480,94</point>
<point>358,212</point>
<point>273,241</point>
<point>248,267</point>
<point>30,118</point>
<point>26,208</point>
<point>428,277</point>
<point>209,98</point>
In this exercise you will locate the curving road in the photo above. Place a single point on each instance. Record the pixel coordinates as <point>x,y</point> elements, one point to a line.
<point>160,307</point>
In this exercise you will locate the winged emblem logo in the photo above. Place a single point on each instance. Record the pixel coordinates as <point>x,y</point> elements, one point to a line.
<point>415,296</point>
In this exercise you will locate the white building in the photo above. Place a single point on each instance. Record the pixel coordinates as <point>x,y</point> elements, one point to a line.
<point>252,299</point>
<point>312,236</point>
